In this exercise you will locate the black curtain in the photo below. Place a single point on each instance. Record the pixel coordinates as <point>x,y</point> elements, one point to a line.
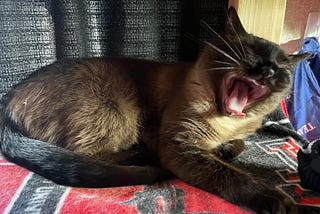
<point>34,33</point>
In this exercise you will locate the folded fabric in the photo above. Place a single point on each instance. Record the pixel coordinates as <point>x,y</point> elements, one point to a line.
<point>304,101</point>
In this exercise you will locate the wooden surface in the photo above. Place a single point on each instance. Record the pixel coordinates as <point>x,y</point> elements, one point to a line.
<point>263,18</point>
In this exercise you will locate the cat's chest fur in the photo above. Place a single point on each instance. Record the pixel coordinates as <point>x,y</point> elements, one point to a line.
<point>228,128</point>
<point>210,132</point>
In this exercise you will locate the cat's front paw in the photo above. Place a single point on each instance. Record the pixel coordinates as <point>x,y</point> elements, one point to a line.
<point>260,198</point>
<point>271,201</point>
<point>280,206</point>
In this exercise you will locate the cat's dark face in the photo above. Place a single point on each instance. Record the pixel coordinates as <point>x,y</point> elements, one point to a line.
<point>248,69</point>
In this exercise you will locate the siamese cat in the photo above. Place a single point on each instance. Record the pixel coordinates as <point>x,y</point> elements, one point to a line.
<point>76,122</point>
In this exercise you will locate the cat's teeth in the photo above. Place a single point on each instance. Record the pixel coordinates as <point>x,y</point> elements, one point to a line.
<point>241,114</point>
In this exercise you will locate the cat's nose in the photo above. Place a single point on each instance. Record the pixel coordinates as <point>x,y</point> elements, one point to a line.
<point>280,80</point>
<point>268,71</point>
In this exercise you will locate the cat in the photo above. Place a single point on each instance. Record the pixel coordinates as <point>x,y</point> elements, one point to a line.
<point>192,116</point>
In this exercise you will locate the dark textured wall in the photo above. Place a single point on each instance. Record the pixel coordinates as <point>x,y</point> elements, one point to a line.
<point>34,33</point>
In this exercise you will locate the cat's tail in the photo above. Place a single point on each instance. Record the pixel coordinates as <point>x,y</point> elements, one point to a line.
<point>66,167</point>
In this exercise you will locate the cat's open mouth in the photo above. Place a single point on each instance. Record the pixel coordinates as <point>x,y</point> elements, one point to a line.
<point>241,92</point>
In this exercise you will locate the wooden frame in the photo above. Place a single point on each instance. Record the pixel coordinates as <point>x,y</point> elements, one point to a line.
<point>263,18</point>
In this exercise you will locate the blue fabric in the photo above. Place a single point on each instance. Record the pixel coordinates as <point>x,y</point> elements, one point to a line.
<point>304,103</point>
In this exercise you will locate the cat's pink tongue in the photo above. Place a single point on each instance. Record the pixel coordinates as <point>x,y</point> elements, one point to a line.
<point>238,99</point>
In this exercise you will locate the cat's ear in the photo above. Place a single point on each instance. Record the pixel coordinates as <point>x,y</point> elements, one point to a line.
<point>295,58</point>
<point>233,24</point>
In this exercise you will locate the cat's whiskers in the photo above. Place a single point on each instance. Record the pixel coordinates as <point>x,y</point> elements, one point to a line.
<point>214,47</point>
<point>225,41</point>
<point>222,52</point>
<point>238,51</point>
<point>223,68</point>
<point>240,42</point>
<point>223,62</point>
